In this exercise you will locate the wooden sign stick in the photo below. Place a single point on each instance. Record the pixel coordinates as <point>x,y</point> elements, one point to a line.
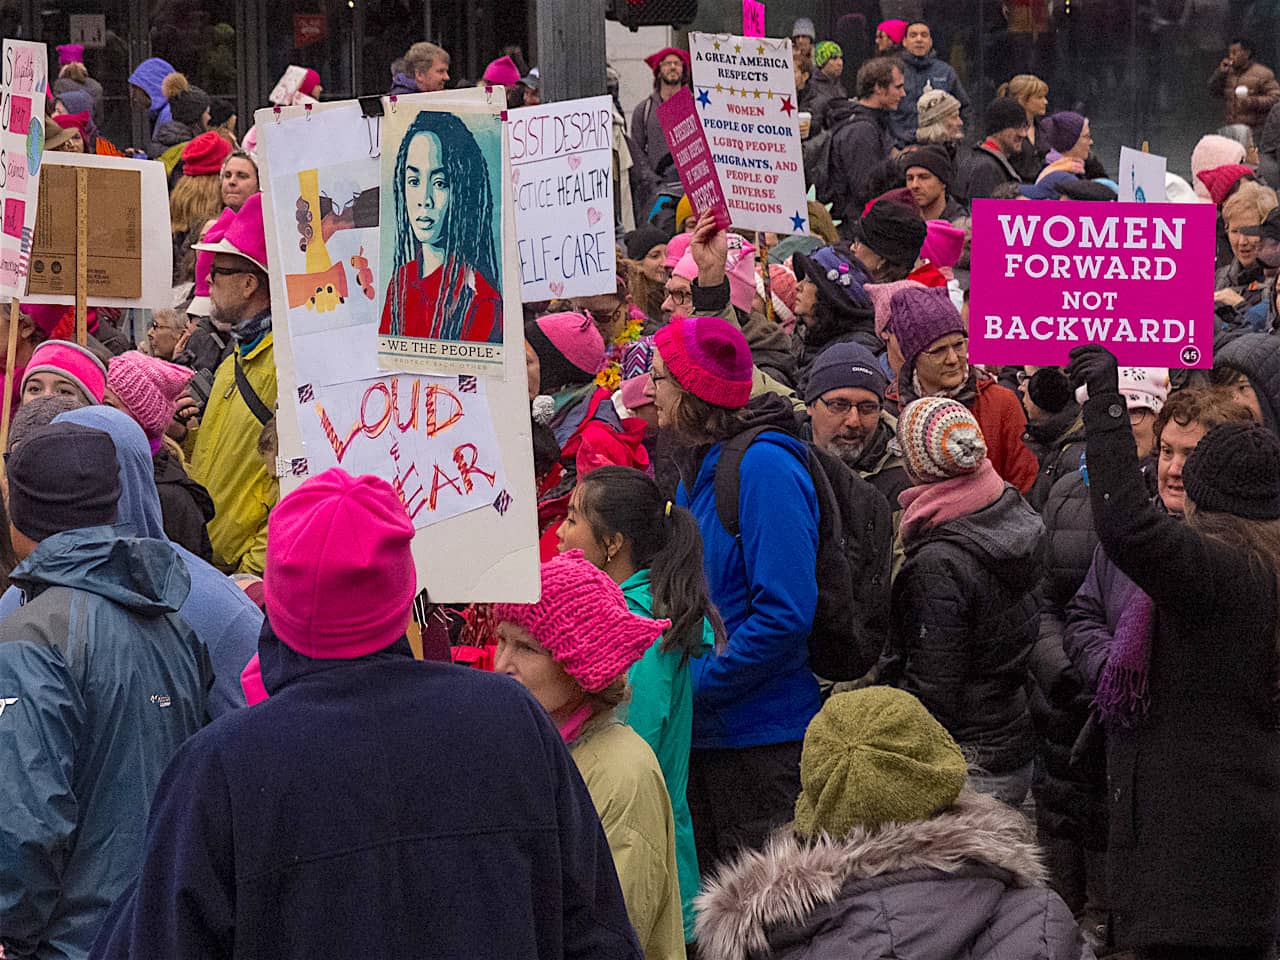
<point>82,255</point>
<point>12,348</point>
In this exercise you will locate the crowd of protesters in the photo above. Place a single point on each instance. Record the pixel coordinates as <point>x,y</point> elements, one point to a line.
<point>846,646</point>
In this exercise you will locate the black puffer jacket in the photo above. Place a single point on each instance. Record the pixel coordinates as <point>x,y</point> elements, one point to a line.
<point>965,618</point>
<point>1057,444</point>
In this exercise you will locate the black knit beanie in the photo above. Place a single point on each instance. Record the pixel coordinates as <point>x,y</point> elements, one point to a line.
<point>643,239</point>
<point>189,106</point>
<point>894,232</point>
<point>1049,390</point>
<point>1235,469</point>
<point>63,477</point>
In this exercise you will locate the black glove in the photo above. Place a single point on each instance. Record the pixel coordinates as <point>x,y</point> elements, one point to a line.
<point>1095,368</point>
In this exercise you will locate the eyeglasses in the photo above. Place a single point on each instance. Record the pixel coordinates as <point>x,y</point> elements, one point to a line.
<point>841,407</point>
<point>961,348</point>
<point>655,377</point>
<point>1139,415</point>
<point>226,271</point>
<point>680,296</point>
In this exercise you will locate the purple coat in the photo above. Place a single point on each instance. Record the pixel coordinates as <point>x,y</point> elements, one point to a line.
<point>1093,614</point>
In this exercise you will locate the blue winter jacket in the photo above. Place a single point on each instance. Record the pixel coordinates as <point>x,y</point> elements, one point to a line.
<point>377,807</point>
<point>100,682</point>
<point>760,689</point>
<point>223,618</point>
<point>920,74</point>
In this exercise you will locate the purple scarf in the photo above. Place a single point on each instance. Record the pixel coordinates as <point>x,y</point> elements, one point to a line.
<point>1123,697</point>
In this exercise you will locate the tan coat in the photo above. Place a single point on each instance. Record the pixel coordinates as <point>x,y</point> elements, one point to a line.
<point>1264,93</point>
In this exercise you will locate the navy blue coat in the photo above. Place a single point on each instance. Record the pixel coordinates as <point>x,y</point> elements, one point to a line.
<point>378,807</point>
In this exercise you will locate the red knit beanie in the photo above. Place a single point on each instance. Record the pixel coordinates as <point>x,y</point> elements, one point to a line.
<point>708,357</point>
<point>1219,181</point>
<point>204,155</point>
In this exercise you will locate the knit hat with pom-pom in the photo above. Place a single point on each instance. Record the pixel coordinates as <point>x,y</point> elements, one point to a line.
<point>582,620</point>
<point>149,389</point>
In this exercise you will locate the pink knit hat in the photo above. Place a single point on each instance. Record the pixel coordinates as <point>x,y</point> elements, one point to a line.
<point>708,357</point>
<point>339,578</point>
<point>244,236</point>
<point>575,338</point>
<point>895,30</point>
<point>582,620</point>
<point>502,72</point>
<point>739,267</point>
<point>881,296</point>
<point>677,247</point>
<point>71,361</point>
<point>201,305</point>
<point>943,243</point>
<point>1213,151</point>
<point>310,80</point>
<point>149,388</point>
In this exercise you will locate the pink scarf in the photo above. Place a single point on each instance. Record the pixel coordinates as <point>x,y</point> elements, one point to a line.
<point>570,729</point>
<point>929,504</point>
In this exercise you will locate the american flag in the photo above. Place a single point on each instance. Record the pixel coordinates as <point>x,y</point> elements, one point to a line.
<point>502,503</point>
<point>306,393</point>
<point>467,384</point>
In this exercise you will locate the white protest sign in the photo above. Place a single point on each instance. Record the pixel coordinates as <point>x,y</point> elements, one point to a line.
<point>25,77</point>
<point>562,178</point>
<point>1141,177</point>
<point>286,88</point>
<point>456,448</point>
<point>745,90</point>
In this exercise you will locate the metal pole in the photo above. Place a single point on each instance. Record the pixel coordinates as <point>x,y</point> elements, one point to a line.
<point>571,48</point>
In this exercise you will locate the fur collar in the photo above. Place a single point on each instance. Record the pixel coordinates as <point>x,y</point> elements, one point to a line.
<point>784,883</point>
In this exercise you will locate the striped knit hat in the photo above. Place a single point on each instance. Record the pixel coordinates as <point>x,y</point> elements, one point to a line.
<point>940,439</point>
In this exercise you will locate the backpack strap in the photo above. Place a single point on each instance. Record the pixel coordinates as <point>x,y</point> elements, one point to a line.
<point>728,479</point>
<point>249,395</point>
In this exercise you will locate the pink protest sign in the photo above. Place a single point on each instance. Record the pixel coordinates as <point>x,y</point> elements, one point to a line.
<point>752,18</point>
<point>692,155</point>
<point>1134,277</point>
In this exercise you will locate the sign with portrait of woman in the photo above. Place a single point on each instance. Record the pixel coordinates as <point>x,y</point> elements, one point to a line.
<point>441,237</point>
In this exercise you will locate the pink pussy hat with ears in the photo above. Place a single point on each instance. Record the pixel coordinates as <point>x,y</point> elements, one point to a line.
<point>502,72</point>
<point>245,235</point>
<point>201,305</point>
<point>582,620</point>
<point>943,243</point>
<point>149,388</point>
<point>677,247</point>
<point>339,579</point>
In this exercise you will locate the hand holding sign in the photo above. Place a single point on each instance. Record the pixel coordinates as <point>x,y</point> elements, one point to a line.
<point>1094,368</point>
<point>709,249</point>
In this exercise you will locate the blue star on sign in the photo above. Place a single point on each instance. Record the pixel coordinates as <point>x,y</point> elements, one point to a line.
<point>704,99</point>
<point>797,222</point>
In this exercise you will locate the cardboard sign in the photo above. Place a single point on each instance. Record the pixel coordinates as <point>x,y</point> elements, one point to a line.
<point>1136,278</point>
<point>752,18</point>
<point>117,205</point>
<point>692,155</point>
<point>457,448</point>
<point>562,178</point>
<point>1141,177</point>
<point>22,93</point>
<point>115,234</point>
<point>746,95</point>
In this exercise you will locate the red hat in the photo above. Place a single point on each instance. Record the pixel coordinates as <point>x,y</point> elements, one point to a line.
<point>656,58</point>
<point>203,156</point>
<point>339,579</point>
<point>1219,181</point>
<point>245,236</point>
<point>310,80</point>
<point>708,357</point>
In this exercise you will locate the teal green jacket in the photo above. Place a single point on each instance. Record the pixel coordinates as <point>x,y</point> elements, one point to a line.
<point>661,711</point>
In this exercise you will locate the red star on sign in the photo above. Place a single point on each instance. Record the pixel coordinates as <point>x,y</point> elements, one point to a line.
<point>787,106</point>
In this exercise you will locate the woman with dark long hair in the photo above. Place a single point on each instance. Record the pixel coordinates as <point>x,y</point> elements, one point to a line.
<point>446,280</point>
<point>652,549</point>
<point>1193,752</point>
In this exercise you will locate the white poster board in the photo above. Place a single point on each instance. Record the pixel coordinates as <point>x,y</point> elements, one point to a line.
<point>562,178</point>
<point>22,93</point>
<point>157,239</point>
<point>1142,177</point>
<point>478,542</point>
<point>745,92</point>
<point>286,88</point>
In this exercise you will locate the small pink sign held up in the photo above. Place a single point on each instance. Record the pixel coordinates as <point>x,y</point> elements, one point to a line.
<point>752,18</point>
<point>692,154</point>
<point>1134,277</point>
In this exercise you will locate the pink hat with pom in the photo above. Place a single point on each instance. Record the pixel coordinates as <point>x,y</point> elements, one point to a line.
<point>339,579</point>
<point>582,620</point>
<point>244,236</point>
<point>149,389</point>
<point>943,243</point>
<point>71,362</point>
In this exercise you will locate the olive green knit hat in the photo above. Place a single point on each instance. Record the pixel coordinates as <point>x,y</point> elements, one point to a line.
<point>875,756</point>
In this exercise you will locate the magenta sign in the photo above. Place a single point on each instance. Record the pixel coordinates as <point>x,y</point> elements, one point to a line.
<point>752,18</point>
<point>688,143</point>
<point>1047,276</point>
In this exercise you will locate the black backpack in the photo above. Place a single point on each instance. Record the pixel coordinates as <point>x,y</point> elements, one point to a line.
<point>816,152</point>
<point>855,540</point>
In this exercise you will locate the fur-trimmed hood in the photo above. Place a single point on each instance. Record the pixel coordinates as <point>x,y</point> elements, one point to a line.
<point>783,885</point>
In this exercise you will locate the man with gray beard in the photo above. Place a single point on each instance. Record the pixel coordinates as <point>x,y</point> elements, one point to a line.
<point>844,395</point>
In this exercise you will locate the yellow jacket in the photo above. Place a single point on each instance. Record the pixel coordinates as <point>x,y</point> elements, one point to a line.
<point>225,460</point>
<point>626,785</point>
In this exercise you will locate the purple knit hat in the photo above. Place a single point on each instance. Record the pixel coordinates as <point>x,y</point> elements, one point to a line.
<point>919,316</point>
<point>709,357</point>
<point>1061,130</point>
<point>582,620</point>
